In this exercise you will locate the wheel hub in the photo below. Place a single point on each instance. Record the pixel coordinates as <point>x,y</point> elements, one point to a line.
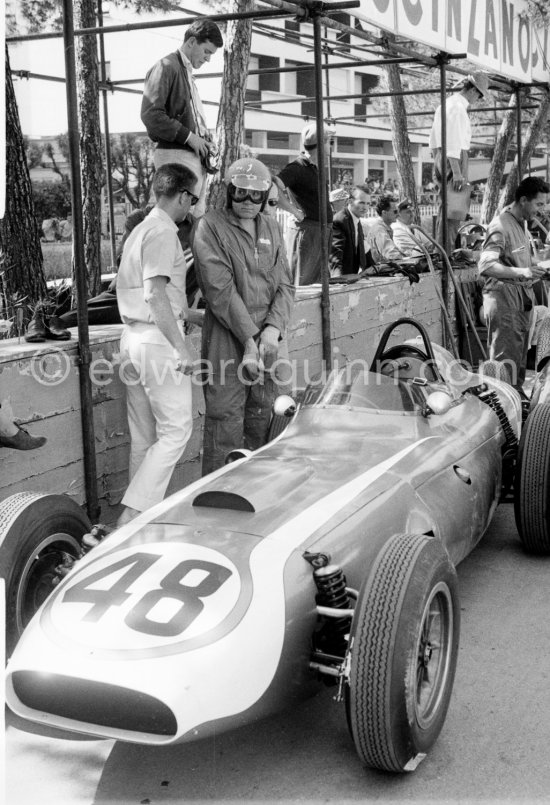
<point>427,655</point>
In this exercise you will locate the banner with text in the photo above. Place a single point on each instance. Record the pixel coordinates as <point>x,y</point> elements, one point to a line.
<point>494,33</point>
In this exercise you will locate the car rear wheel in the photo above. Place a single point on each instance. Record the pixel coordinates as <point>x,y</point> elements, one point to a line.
<point>532,485</point>
<point>404,646</point>
<point>543,343</point>
<point>494,369</point>
<point>36,533</point>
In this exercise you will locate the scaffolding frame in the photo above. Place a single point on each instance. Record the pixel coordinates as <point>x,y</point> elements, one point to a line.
<point>311,11</point>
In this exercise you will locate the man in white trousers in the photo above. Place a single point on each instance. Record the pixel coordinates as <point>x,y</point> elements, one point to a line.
<point>157,365</point>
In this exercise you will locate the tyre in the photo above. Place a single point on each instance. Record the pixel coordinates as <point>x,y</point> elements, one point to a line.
<point>543,343</point>
<point>404,646</point>
<point>532,483</point>
<point>494,369</point>
<point>35,533</point>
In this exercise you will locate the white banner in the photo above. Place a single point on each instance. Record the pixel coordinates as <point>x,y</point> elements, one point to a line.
<point>491,32</point>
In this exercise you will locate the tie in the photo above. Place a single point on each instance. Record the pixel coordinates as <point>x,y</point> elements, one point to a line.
<point>361,258</point>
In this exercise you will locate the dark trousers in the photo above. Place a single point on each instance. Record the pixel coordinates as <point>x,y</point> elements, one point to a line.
<point>237,415</point>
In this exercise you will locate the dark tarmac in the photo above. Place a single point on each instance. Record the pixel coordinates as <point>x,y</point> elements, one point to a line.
<point>493,747</point>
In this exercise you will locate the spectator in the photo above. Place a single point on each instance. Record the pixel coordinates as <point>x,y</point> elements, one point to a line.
<point>380,234</point>
<point>509,270</point>
<point>14,436</point>
<point>338,199</point>
<point>404,237</point>
<point>171,108</point>
<point>347,252</point>
<point>459,134</point>
<point>301,179</point>
<point>272,203</point>
<point>245,278</point>
<point>152,304</point>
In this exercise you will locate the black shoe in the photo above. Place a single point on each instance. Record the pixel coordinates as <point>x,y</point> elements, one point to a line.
<point>36,331</point>
<point>55,331</point>
<point>22,440</point>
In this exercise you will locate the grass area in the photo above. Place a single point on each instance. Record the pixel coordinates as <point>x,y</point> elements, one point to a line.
<point>58,257</point>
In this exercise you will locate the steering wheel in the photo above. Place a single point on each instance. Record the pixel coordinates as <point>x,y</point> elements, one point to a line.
<point>402,351</point>
<point>470,230</point>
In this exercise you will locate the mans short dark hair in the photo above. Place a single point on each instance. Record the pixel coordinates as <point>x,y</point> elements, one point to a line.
<point>204,31</point>
<point>171,179</point>
<point>530,187</point>
<point>384,203</point>
<point>358,188</point>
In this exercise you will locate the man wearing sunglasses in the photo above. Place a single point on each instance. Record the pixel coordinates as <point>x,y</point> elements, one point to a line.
<point>153,306</point>
<point>243,273</point>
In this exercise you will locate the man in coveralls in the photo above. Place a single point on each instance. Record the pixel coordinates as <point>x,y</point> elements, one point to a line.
<point>243,272</point>
<point>509,270</point>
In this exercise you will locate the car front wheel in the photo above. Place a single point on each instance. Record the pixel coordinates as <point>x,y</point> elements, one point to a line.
<point>37,532</point>
<point>404,646</point>
<point>532,484</point>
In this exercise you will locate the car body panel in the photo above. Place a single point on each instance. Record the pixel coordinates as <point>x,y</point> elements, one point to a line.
<point>198,615</point>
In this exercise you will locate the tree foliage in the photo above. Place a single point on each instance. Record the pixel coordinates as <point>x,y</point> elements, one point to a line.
<point>51,200</point>
<point>132,162</point>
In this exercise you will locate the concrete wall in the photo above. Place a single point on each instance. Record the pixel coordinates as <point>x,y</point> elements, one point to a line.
<point>41,382</point>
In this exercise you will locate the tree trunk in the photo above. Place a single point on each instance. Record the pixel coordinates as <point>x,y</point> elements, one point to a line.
<point>498,162</point>
<point>229,127</point>
<point>22,269</point>
<point>400,137</point>
<point>91,156</point>
<point>531,140</point>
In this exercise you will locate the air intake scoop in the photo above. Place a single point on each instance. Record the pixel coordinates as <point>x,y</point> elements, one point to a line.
<point>256,485</point>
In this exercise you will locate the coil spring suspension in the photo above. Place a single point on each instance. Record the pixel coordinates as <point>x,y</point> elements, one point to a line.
<point>332,593</point>
<point>491,399</point>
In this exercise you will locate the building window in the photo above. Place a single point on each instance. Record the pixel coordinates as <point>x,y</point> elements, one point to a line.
<point>342,37</point>
<point>376,146</point>
<point>269,81</point>
<point>277,139</point>
<point>346,144</point>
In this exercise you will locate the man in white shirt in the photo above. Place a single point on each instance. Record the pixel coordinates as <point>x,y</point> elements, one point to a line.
<point>152,302</point>
<point>459,134</point>
<point>404,237</point>
<point>380,235</point>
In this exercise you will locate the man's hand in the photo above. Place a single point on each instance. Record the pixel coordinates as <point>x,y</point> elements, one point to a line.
<point>458,182</point>
<point>537,272</point>
<point>269,345</point>
<point>200,147</point>
<point>251,364</point>
<point>184,362</point>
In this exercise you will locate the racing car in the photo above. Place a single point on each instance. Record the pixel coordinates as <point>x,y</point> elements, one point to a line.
<point>326,557</point>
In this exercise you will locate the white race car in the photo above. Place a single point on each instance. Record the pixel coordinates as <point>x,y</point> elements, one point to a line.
<point>326,556</point>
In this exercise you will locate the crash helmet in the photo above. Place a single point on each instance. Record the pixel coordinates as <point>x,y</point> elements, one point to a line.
<point>248,174</point>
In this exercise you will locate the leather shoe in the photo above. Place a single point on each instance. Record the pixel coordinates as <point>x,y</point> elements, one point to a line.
<point>55,331</point>
<point>36,331</point>
<point>22,440</point>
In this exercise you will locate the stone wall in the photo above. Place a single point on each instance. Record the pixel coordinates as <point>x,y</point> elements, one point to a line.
<point>41,382</point>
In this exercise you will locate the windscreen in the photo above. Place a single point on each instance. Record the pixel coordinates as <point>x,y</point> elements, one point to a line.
<point>355,387</point>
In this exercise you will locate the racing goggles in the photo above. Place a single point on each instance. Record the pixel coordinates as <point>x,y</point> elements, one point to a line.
<point>244,193</point>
